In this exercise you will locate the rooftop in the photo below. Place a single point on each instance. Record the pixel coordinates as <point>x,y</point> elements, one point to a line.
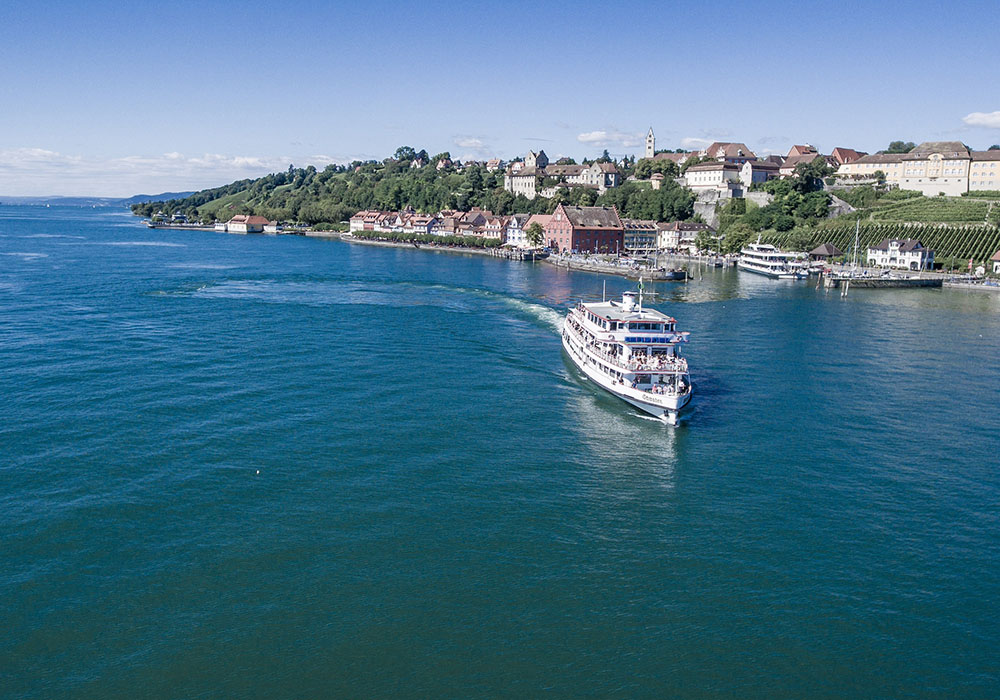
<point>616,311</point>
<point>592,217</point>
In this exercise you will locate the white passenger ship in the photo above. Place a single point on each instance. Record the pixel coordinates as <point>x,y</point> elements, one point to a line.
<point>765,259</point>
<point>631,352</point>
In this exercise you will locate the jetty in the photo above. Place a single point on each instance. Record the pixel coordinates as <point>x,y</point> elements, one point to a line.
<point>623,270</point>
<point>837,281</point>
<point>518,254</point>
<point>177,226</point>
<point>973,286</point>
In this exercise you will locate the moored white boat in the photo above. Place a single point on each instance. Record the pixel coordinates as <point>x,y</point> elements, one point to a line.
<point>765,259</point>
<point>632,353</point>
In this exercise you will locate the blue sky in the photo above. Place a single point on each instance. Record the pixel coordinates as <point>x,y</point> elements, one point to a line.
<point>115,99</point>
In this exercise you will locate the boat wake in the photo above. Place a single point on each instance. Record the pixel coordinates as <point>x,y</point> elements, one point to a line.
<point>151,244</point>
<point>200,266</point>
<point>548,318</point>
<point>27,256</point>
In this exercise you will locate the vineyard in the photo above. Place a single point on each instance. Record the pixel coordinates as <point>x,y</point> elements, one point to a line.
<point>934,209</point>
<point>956,242</point>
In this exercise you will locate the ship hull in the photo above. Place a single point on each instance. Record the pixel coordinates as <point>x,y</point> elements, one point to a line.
<point>771,273</point>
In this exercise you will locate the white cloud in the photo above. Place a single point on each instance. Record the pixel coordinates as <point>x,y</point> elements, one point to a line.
<point>39,172</point>
<point>469,142</point>
<point>474,147</point>
<point>695,142</point>
<point>606,138</point>
<point>990,120</point>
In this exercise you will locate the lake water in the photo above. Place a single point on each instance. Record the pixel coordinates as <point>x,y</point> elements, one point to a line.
<point>248,466</point>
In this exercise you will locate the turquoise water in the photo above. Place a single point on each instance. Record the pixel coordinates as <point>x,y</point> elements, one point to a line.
<point>257,466</point>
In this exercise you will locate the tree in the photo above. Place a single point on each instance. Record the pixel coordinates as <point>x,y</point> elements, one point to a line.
<point>535,234</point>
<point>405,153</point>
<point>994,147</point>
<point>879,175</point>
<point>809,176</point>
<point>703,241</point>
<point>695,160</point>
<point>900,147</point>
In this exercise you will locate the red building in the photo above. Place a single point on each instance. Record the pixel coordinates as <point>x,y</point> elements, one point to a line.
<point>585,229</point>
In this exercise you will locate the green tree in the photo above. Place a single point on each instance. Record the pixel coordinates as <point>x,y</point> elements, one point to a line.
<point>535,234</point>
<point>704,241</point>
<point>900,147</point>
<point>994,147</point>
<point>405,153</point>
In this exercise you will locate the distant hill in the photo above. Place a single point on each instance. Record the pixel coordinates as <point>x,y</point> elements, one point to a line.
<point>162,197</point>
<point>94,201</point>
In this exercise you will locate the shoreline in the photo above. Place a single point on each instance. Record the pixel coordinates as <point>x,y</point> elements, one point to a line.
<point>348,238</point>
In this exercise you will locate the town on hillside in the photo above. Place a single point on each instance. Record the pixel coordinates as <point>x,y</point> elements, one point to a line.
<point>938,197</point>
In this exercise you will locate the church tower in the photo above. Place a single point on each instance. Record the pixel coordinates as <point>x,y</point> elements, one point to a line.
<point>650,144</point>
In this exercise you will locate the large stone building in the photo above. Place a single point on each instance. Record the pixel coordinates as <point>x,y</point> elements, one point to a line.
<point>522,181</point>
<point>932,168</point>
<point>590,229</point>
<point>724,177</point>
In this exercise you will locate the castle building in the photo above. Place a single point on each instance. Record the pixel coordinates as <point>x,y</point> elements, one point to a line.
<point>650,144</point>
<point>933,167</point>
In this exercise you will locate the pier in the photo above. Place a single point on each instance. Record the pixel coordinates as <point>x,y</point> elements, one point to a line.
<point>518,254</point>
<point>610,268</point>
<point>836,281</point>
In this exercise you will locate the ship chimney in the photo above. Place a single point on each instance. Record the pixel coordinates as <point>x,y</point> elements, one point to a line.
<point>628,300</point>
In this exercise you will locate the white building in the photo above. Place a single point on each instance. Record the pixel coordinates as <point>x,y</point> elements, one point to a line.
<point>721,176</point>
<point>515,230</point>
<point>901,254</point>
<point>754,172</point>
<point>522,181</point>
<point>679,235</point>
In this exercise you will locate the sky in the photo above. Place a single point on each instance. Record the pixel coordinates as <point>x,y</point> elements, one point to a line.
<point>117,99</point>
